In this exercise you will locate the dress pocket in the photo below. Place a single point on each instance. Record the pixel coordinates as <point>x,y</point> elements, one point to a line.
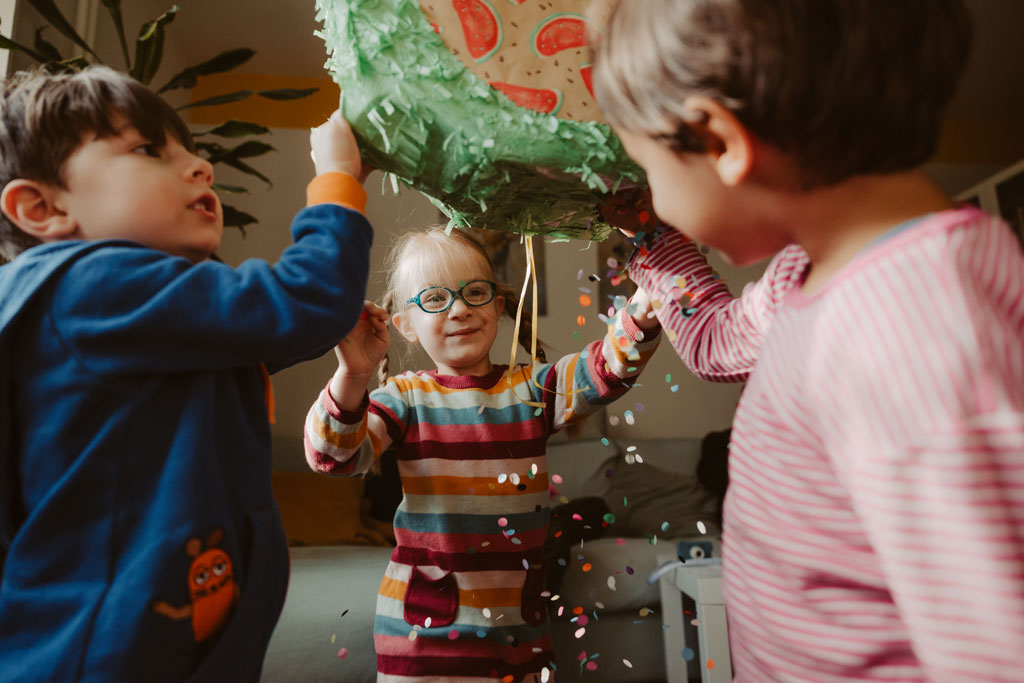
<point>535,608</point>
<point>434,599</point>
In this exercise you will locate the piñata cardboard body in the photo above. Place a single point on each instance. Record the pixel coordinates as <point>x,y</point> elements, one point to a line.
<point>485,106</point>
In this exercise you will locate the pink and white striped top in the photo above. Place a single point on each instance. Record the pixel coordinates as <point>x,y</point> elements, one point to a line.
<point>874,524</point>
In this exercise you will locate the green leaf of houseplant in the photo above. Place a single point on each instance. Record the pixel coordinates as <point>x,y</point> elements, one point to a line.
<point>230,189</point>
<point>46,48</point>
<point>225,61</point>
<point>149,46</point>
<point>218,99</point>
<point>287,93</point>
<point>219,154</point>
<point>239,165</point>
<point>250,148</point>
<point>233,218</point>
<point>234,129</point>
<point>114,8</point>
<point>8,44</point>
<point>70,65</point>
<point>59,22</point>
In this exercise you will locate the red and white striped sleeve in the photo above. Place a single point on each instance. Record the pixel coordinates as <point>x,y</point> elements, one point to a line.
<point>718,336</point>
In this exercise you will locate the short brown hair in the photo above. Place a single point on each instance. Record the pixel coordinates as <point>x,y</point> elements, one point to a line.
<point>845,87</point>
<point>45,117</point>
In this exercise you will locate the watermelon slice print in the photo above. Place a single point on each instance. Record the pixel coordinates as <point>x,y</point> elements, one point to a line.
<point>538,99</point>
<point>561,31</point>
<point>587,74</point>
<point>481,25</point>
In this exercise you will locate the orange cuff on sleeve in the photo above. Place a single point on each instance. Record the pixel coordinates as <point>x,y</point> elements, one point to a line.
<point>336,188</point>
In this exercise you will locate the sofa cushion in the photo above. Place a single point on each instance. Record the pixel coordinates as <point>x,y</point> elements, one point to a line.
<point>650,501</point>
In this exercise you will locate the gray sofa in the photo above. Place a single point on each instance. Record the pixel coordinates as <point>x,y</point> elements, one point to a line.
<point>606,618</point>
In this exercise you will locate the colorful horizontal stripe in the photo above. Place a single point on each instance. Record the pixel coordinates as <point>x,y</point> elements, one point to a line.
<point>471,456</point>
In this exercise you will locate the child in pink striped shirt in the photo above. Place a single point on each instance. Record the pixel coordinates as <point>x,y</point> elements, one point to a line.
<point>874,525</point>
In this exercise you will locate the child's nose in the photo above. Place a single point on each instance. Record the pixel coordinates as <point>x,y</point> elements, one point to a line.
<point>458,307</point>
<point>200,169</point>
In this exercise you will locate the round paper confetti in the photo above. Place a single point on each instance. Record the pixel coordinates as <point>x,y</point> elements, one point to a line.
<point>453,634</point>
<point>343,653</point>
<point>701,528</point>
<point>629,665</point>
<point>688,654</point>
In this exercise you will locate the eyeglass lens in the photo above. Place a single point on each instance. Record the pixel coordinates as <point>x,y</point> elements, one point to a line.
<point>476,293</point>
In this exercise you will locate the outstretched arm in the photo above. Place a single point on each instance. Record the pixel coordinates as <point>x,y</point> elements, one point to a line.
<point>345,431</point>
<point>718,336</point>
<point>578,384</point>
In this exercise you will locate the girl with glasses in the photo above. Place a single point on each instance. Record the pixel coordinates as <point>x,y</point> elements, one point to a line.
<point>461,596</point>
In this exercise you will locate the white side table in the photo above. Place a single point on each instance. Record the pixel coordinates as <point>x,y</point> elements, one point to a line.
<point>702,581</point>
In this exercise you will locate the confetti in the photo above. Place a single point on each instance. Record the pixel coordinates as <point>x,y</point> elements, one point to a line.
<point>585,301</point>
<point>609,517</point>
<point>591,666</point>
<point>688,654</point>
<point>701,528</point>
<point>579,274</point>
<point>581,320</point>
<point>664,526</point>
<point>343,653</point>
<point>582,620</point>
<point>426,622</point>
<point>453,634</point>
<point>711,664</point>
<point>557,478</point>
<point>611,583</point>
<point>579,632</point>
<point>628,664</point>
<point>587,567</point>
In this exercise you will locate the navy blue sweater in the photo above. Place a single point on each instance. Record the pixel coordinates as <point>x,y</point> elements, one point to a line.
<point>139,540</point>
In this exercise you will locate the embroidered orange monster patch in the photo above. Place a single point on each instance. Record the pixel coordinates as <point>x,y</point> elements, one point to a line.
<point>212,589</point>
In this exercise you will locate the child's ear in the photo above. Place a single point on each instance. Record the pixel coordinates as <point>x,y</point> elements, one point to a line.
<point>32,206</point>
<point>499,304</point>
<point>401,323</point>
<point>730,146</point>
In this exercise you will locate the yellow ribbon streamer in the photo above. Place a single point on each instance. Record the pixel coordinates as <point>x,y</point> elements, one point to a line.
<point>531,277</point>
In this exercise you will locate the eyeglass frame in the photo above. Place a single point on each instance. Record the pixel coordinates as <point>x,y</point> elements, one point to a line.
<point>451,301</point>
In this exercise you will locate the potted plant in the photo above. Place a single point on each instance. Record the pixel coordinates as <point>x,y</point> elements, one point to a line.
<point>241,138</point>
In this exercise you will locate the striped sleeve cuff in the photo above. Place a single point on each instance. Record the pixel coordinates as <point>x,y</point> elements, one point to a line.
<point>336,188</point>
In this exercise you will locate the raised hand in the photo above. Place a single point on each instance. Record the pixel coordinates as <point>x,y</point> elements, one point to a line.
<point>333,148</point>
<point>642,310</point>
<point>359,354</point>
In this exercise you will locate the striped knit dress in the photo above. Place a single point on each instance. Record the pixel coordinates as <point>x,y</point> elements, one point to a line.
<point>461,597</point>
<point>874,524</point>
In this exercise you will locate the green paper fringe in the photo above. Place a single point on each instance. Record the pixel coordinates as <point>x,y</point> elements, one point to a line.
<point>421,115</point>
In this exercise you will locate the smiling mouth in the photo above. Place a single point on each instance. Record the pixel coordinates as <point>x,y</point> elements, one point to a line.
<point>462,333</point>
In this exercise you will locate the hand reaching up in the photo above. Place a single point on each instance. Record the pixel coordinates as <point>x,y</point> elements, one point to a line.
<point>333,148</point>
<point>642,310</point>
<point>359,355</point>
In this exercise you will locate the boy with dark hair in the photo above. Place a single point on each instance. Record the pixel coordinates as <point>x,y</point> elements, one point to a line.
<point>875,505</point>
<point>139,540</point>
